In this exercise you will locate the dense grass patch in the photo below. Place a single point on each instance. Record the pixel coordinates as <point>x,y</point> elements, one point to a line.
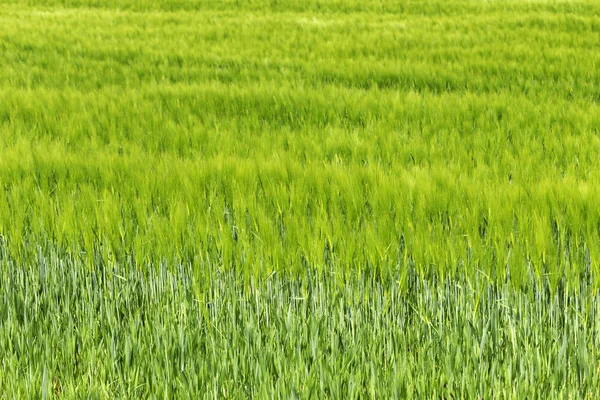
<point>68,331</point>
<point>172,172</point>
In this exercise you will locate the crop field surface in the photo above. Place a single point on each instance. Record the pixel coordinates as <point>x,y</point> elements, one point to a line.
<point>299,199</point>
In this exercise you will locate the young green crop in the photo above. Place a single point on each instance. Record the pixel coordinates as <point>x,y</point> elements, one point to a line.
<point>116,332</point>
<point>434,159</point>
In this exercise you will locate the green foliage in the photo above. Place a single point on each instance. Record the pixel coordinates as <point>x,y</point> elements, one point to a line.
<point>120,333</point>
<point>446,145</point>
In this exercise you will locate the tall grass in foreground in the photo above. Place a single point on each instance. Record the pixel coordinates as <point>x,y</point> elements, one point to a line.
<point>68,331</point>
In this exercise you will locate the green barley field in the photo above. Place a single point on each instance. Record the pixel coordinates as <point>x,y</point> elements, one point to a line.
<point>303,199</point>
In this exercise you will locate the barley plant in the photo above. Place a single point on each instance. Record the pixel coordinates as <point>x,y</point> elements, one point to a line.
<point>299,199</point>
